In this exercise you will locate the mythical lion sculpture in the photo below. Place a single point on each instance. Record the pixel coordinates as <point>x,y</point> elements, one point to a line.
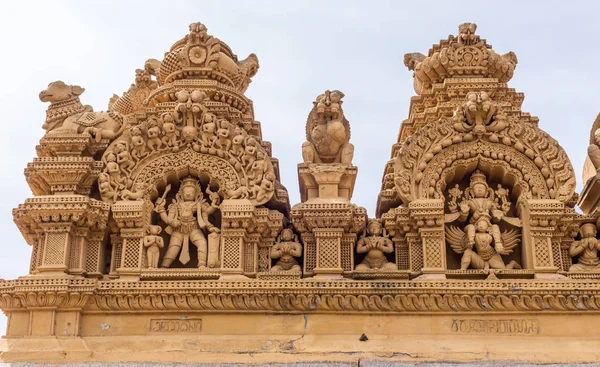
<point>328,132</point>
<point>67,114</point>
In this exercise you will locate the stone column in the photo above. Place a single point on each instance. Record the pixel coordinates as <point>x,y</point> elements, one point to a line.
<point>58,226</point>
<point>402,254</point>
<point>95,255</point>
<point>415,253</point>
<point>237,215</point>
<point>347,253</point>
<point>78,251</point>
<point>115,255</point>
<point>251,254</point>
<point>131,218</point>
<point>429,217</point>
<point>539,225</point>
<point>57,243</point>
<point>328,231</point>
<point>310,253</point>
<point>329,257</point>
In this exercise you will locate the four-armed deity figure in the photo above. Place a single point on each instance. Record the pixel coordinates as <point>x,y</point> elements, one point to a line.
<point>376,244</point>
<point>587,249</point>
<point>481,243</point>
<point>187,220</point>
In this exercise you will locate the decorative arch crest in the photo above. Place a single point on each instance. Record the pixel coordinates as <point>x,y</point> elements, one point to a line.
<point>534,161</point>
<point>151,172</point>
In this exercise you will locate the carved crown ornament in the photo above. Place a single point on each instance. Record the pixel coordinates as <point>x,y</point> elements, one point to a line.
<point>170,202</point>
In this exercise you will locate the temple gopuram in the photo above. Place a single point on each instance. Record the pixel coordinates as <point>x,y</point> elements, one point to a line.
<point>160,230</point>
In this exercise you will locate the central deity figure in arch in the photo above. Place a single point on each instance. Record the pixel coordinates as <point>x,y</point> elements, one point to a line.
<point>481,243</point>
<point>187,220</point>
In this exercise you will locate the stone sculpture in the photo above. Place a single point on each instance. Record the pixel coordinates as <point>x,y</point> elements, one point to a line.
<point>586,250</point>
<point>153,243</point>
<point>67,114</point>
<point>481,243</point>
<point>375,243</point>
<point>187,220</point>
<point>328,131</point>
<point>285,251</point>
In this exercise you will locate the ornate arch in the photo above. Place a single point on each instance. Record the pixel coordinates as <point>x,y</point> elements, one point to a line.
<point>534,161</point>
<point>154,170</point>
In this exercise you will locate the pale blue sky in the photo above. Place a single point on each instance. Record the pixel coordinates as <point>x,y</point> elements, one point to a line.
<point>304,47</point>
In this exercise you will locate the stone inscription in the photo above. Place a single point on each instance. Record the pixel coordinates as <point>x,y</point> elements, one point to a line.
<point>176,325</point>
<point>498,326</point>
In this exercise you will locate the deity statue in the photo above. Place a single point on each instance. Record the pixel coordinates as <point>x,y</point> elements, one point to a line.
<point>376,244</point>
<point>328,132</point>
<point>286,249</point>
<point>187,220</point>
<point>587,249</point>
<point>153,243</point>
<point>481,243</point>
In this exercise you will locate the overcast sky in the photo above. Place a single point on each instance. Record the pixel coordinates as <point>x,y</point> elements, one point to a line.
<point>304,48</point>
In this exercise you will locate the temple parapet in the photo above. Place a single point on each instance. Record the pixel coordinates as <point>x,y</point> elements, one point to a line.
<point>160,230</point>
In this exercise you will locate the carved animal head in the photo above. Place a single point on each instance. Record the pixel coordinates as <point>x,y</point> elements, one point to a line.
<point>58,91</point>
<point>412,59</point>
<point>251,65</point>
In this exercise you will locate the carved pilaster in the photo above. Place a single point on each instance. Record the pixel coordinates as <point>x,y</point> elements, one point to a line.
<point>429,217</point>
<point>328,231</point>
<point>347,252</point>
<point>132,253</point>
<point>237,216</point>
<point>310,253</point>
<point>57,226</point>
<point>57,243</point>
<point>251,254</point>
<point>415,253</point>
<point>540,219</point>
<point>115,255</point>
<point>131,218</point>
<point>78,251</point>
<point>95,255</point>
<point>329,257</point>
<point>402,254</point>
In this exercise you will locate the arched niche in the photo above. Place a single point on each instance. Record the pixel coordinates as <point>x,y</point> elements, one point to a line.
<point>499,177</point>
